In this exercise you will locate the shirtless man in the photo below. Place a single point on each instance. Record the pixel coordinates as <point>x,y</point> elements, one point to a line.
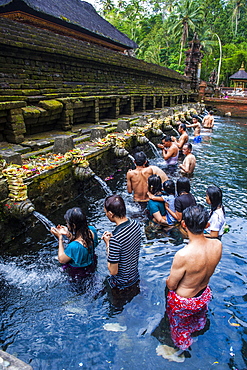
<point>183,138</point>
<point>169,151</point>
<point>189,162</point>
<point>188,281</point>
<point>197,129</point>
<point>208,120</point>
<point>194,264</point>
<point>159,172</point>
<point>137,179</point>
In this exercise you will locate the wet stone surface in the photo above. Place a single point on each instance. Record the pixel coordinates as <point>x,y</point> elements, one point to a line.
<point>9,362</point>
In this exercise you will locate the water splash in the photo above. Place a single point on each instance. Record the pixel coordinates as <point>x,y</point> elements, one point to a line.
<point>30,276</point>
<point>103,184</point>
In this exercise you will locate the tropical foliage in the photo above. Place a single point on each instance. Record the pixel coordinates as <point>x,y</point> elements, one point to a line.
<point>162,29</point>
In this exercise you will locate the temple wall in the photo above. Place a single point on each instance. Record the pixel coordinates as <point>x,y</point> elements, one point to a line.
<point>51,81</point>
<point>233,106</point>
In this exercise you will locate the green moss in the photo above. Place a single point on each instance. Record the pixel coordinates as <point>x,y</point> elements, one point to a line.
<point>31,112</point>
<point>51,105</point>
<point>30,92</point>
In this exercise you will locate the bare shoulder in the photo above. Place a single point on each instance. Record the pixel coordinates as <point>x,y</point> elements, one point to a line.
<point>183,252</point>
<point>216,243</point>
<point>147,170</point>
<point>130,173</point>
<point>214,247</point>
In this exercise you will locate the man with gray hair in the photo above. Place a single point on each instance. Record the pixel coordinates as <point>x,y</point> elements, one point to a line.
<point>189,162</point>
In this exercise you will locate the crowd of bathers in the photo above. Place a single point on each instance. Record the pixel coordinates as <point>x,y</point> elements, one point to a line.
<point>163,199</point>
<point>168,204</point>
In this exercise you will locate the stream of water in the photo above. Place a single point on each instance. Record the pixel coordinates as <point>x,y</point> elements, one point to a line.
<point>53,324</point>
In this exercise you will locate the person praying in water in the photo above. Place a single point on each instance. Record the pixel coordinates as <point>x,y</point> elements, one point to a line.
<point>79,257</point>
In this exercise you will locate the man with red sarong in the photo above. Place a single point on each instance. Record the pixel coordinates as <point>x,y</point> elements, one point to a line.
<point>192,267</point>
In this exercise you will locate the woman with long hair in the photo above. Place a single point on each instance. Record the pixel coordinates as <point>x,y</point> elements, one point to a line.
<point>156,208</point>
<point>78,257</point>
<point>217,215</point>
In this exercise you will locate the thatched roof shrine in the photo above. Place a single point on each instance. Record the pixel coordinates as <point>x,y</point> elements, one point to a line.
<point>240,75</point>
<point>74,18</point>
<point>239,78</point>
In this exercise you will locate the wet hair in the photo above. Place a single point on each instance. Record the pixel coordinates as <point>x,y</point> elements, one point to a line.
<point>211,112</point>
<point>167,138</point>
<point>154,184</point>
<point>196,218</point>
<point>78,226</point>
<point>169,187</point>
<point>116,205</point>
<point>140,158</point>
<point>183,184</point>
<point>215,196</point>
<point>189,146</point>
<point>183,126</point>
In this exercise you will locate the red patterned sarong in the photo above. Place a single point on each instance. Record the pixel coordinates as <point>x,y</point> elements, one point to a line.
<point>186,315</point>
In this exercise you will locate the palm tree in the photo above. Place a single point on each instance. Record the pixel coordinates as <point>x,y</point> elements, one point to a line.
<point>186,16</point>
<point>236,15</point>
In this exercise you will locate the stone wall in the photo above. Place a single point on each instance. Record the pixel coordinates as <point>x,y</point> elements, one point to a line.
<point>53,81</point>
<point>233,106</point>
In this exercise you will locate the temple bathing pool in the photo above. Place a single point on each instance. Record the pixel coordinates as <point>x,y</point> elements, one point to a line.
<point>53,324</point>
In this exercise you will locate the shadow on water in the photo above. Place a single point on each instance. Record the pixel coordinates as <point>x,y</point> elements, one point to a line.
<point>53,324</point>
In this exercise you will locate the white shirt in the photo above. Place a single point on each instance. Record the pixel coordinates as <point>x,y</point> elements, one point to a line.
<point>217,221</point>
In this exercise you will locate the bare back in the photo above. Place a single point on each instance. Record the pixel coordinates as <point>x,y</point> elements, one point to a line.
<point>137,181</point>
<point>193,266</point>
<point>208,121</point>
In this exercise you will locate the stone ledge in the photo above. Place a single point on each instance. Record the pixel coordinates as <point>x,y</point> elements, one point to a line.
<point>12,104</point>
<point>10,362</point>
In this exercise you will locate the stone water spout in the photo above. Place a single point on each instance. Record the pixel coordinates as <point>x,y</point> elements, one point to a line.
<point>21,209</point>
<point>83,173</point>
<point>157,132</point>
<point>120,152</point>
<point>142,139</point>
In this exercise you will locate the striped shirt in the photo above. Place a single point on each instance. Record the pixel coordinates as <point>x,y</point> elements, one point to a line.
<point>124,249</point>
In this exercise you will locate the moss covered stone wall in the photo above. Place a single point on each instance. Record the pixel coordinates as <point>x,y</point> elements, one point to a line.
<point>37,65</point>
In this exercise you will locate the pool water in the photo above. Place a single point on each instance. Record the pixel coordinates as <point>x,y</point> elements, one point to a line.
<point>54,324</point>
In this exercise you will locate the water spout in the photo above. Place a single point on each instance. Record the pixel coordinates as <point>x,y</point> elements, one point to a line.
<point>120,152</point>
<point>83,173</point>
<point>154,149</point>
<point>47,223</point>
<point>157,131</point>
<point>144,140</point>
<point>103,184</point>
<point>20,209</point>
<point>131,158</point>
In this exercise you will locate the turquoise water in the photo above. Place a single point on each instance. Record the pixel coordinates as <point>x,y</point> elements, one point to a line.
<point>52,324</point>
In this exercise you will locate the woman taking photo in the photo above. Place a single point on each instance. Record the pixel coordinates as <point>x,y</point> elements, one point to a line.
<point>78,258</point>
